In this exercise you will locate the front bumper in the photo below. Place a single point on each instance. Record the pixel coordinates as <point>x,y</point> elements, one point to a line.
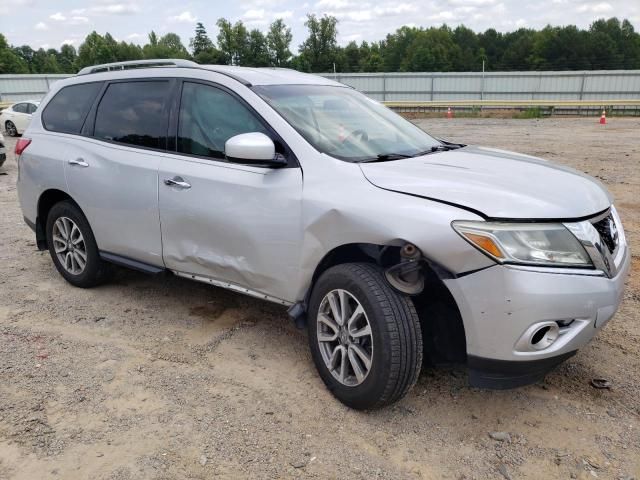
<point>501,304</point>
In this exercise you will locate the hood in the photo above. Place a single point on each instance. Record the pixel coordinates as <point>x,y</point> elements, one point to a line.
<point>495,183</point>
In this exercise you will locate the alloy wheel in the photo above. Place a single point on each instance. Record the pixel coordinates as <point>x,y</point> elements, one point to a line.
<point>69,245</point>
<point>345,337</point>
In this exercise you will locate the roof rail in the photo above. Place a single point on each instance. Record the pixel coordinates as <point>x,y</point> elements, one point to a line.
<point>108,67</point>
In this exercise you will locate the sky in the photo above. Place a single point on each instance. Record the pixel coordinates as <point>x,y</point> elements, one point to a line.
<point>51,23</point>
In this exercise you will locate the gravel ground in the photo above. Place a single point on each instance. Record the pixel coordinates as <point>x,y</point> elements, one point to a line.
<point>157,377</point>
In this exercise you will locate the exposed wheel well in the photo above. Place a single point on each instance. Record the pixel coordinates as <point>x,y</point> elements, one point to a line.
<point>47,200</point>
<point>442,327</point>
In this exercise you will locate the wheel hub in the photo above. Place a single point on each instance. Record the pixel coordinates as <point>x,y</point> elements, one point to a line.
<point>344,337</point>
<point>69,246</point>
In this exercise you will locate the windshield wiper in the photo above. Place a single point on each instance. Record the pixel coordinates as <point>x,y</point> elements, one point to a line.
<point>384,157</point>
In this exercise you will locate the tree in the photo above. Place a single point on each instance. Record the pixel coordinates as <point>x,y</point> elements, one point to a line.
<point>9,61</point>
<point>319,51</point>
<point>167,46</point>
<point>258,52</point>
<point>95,50</point>
<point>67,59</point>
<point>278,41</point>
<point>201,42</point>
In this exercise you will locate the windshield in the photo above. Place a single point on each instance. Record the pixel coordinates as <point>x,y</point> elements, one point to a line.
<point>346,124</point>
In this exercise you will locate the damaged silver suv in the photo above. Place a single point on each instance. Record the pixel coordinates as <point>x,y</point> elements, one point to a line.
<point>394,247</point>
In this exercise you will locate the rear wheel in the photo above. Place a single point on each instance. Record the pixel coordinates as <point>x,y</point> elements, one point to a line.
<point>72,246</point>
<point>364,336</point>
<point>11,129</point>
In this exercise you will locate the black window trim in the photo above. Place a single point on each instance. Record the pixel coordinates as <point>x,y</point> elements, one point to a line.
<point>88,129</point>
<point>84,120</point>
<point>292,160</point>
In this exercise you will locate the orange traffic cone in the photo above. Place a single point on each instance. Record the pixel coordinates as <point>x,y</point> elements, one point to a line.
<point>449,113</point>
<point>603,118</point>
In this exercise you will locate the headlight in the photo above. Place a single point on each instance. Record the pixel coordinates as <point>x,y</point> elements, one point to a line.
<point>548,244</point>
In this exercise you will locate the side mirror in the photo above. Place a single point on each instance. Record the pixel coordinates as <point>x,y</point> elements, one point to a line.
<point>253,148</point>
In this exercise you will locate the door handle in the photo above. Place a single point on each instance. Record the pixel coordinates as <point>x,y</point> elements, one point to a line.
<point>177,182</point>
<point>79,162</point>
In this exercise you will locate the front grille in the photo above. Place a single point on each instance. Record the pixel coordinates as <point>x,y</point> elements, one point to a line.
<point>608,231</point>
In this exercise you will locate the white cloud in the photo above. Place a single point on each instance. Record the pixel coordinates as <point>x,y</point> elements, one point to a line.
<point>601,7</point>
<point>69,41</point>
<point>78,20</point>
<point>254,14</point>
<point>58,17</point>
<point>41,26</point>
<point>115,9</point>
<point>134,36</point>
<point>184,17</point>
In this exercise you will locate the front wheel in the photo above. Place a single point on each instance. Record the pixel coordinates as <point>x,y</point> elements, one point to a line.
<point>365,337</point>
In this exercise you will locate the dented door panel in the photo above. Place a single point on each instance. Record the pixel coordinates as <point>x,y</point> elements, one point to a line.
<point>235,223</point>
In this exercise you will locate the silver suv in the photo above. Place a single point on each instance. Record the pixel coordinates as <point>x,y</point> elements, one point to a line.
<point>391,245</point>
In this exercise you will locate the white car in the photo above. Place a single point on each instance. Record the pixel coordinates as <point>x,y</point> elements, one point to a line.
<point>15,119</point>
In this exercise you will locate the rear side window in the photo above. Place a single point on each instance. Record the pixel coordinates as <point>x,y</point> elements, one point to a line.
<point>66,111</point>
<point>32,108</point>
<point>134,113</point>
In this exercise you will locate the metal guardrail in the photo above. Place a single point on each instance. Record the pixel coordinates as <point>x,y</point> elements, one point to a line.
<point>514,103</point>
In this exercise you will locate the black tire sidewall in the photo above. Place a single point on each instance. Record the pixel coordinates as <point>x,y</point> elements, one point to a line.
<point>92,273</point>
<point>15,129</point>
<point>366,394</point>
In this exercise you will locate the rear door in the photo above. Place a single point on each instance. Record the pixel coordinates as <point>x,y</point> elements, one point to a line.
<point>113,171</point>
<point>236,224</point>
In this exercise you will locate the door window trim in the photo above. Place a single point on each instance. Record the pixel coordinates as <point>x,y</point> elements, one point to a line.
<point>88,129</point>
<point>292,160</point>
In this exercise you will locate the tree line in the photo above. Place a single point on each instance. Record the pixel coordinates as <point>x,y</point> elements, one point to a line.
<point>606,44</point>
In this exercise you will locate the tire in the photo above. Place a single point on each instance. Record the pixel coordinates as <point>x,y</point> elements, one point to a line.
<point>394,346</point>
<point>11,129</point>
<point>63,216</point>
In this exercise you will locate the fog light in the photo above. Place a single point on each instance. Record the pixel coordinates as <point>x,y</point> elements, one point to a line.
<point>544,336</point>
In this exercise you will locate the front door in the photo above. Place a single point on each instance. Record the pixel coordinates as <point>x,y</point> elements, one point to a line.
<point>231,223</point>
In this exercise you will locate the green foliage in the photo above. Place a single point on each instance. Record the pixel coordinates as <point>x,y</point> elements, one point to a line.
<point>319,52</point>
<point>278,42</point>
<point>531,112</point>
<point>606,44</point>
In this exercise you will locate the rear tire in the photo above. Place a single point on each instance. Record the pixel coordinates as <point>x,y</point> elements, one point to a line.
<point>73,247</point>
<point>11,129</point>
<point>394,346</point>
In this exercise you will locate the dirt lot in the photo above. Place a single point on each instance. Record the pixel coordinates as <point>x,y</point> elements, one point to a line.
<point>158,377</point>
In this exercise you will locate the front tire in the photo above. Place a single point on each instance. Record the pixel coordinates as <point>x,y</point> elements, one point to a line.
<point>73,247</point>
<point>365,337</point>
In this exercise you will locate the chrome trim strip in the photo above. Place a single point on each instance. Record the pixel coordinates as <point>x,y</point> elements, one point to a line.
<point>232,286</point>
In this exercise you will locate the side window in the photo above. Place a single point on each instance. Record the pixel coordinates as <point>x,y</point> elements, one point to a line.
<point>20,108</point>
<point>31,108</point>
<point>210,116</point>
<point>67,110</point>
<point>134,113</point>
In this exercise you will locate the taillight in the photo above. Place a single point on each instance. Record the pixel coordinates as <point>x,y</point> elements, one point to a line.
<point>21,145</point>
